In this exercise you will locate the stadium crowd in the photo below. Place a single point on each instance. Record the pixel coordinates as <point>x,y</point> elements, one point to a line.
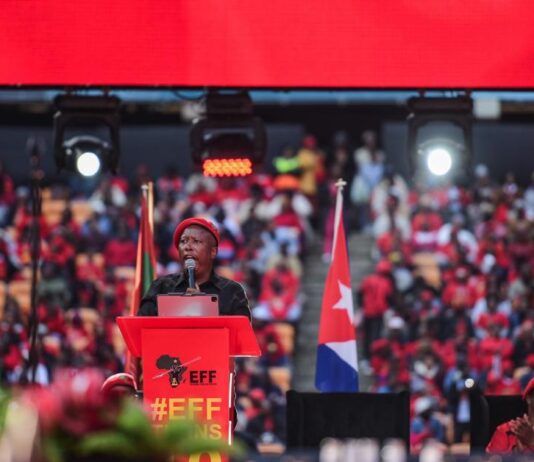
<point>449,299</point>
<point>449,305</point>
<point>88,241</point>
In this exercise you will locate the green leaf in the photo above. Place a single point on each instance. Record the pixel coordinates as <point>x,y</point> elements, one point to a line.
<point>184,437</point>
<point>197,445</point>
<point>179,430</point>
<point>134,421</point>
<point>4,402</point>
<point>53,450</point>
<point>109,443</point>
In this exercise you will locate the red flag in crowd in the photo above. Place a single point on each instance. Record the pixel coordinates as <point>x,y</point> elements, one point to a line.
<point>145,265</point>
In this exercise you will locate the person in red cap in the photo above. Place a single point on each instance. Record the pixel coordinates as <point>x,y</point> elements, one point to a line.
<point>197,239</point>
<point>516,435</point>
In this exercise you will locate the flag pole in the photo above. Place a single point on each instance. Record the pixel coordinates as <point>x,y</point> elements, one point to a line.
<point>149,194</point>
<point>340,184</point>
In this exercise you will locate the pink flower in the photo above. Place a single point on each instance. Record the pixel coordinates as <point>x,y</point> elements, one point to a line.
<point>47,404</point>
<point>74,403</point>
<point>85,407</point>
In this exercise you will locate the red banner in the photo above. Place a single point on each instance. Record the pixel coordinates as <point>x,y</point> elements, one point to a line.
<point>253,43</point>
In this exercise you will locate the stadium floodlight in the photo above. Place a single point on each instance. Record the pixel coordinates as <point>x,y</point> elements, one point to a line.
<point>86,154</point>
<point>440,155</point>
<point>229,140</point>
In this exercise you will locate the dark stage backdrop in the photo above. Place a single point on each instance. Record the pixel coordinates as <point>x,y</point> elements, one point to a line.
<point>311,417</point>
<point>274,43</point>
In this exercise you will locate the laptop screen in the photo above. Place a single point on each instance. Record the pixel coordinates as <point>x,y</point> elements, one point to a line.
<point>188,305</point>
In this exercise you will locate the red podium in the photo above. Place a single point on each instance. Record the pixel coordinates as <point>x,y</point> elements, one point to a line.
<point>188,367</point>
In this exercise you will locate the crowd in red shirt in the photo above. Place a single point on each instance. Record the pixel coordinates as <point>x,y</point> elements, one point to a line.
<point>451,300</point>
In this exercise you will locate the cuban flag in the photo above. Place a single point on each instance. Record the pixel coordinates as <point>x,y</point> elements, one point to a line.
<point>337,361</point>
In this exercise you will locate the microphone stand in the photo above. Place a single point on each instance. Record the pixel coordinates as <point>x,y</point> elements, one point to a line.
<point>35,148</point>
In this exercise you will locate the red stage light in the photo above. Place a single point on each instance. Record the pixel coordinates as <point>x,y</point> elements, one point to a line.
<point>227,167</point>
<point>229,140</point>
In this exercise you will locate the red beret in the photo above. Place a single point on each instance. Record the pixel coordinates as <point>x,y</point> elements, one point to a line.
<point>196,221</point>
<point>528,388</point>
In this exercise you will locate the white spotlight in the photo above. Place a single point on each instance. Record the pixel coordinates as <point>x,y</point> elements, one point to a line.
<point>88,164</point>
<point>469,383</point>
<point>439,161</point>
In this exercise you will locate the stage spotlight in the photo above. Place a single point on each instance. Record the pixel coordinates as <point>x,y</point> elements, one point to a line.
<point>438,157</point>
<point>227,167</point>
<point>439,136</point>
<point>469,383</point>
<point>86,154</point>
<point>229,140</point>
<point>88,164</point>
<point>439,161</point>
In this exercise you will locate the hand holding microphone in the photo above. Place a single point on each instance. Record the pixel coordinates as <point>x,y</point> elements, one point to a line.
<point>192,287</point>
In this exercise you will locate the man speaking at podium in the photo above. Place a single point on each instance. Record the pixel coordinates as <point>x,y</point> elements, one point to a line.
<point>197,241</point>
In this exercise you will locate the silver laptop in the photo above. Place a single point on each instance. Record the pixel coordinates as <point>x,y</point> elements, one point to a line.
<point>188,305</point>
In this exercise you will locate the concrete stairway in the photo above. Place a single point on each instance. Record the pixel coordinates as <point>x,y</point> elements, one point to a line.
<point>313,281</point>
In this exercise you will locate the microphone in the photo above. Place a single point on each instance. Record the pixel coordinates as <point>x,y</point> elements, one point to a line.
<point>190,266</point>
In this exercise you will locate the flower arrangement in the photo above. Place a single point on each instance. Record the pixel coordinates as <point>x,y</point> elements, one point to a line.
<point>73,420</point>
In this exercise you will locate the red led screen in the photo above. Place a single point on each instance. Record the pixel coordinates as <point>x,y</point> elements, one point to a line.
<point>268,43</point>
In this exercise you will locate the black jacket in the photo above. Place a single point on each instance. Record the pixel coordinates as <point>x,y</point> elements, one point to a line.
<point>232,298</point>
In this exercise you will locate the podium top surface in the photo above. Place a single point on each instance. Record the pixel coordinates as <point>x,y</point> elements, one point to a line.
<point>242,339</point>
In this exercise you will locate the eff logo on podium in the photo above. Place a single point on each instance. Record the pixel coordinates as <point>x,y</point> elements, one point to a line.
<point>176,372</point>
<point>187,376</point>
